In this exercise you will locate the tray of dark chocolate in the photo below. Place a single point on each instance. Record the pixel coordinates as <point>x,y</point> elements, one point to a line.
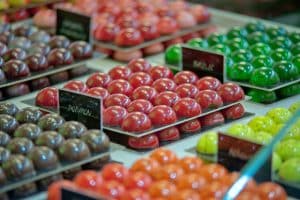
<point>34,147</point>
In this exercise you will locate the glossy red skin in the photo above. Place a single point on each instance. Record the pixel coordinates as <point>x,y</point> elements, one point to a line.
<point>78,86</point>
<point>88,179</point>
<point>98,92</point>
<point>139,65</point>
<point>144,92</point>
<point>169,134</point>
<point>127,22</point>
<point>120,72</point>
<point>187,90</point>
<point>128,11</point>
<point>136,122</point>
<point>114,115</point>
<point>138,79</point>
<point>193,126</point>
<point>187,107</point>
<point>115,172</point>
<point>140,105</point>
<point>136,194</point>
<point>147,142</point>
<point>167,98</point>
<point>138,180</point>
<point>54,190</point>
<point>117,100</point>
<point>120,86</point>
<point>98,79</point>
<point>177,40</point>
<point>162,115</point>
<point>212,119</point>
<point>129,37</point>
<point>269,190</point>
<point>112,189</point>
<point>164,84</point>
<point>167,25</point>
<point>185,77</point>
<point>47,97</point>
<point>106,32</point>
<point>231,92</point>
<point>209,99</point>
<point>165,12</point>
<point>143,7</point>
<point>208,82</point>
<point>109,7</point>
<point>149,30</point>
<point>234,112</point>
<point>159,71</point>
<point>201,13</point>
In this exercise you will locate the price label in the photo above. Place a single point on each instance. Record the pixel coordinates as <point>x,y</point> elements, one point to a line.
<point>67,194</point>
<point>75,26</point>
<point>203,62</point>
<point>81,107</point>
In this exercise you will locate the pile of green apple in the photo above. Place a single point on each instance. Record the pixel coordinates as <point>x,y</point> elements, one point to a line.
<point>261,129</point>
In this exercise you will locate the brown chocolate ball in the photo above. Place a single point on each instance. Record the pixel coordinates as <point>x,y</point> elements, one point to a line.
<point>51,139</point>
<point>40,37</point>
<point>4,139</point>
<point>51,122</point>
<point>29,115</point>
<point>39,48</point>
<point>8,124</point>
<point>37,62</point>
<point>59,41</point>
<point>8,108</point>
<point>25,31</point>
<point>40,83</point>
<point>4,155</point>
<point>28,130</point>
<point>17,53</point>
<point>59,57</point>
<point>96,140</point>
<point>3,48</point>
<point>81,50</point>
<point>16,69</point>
<point>20,146</point>
<point>44,183</point>
<point>43,158</point>
<point>59,77</point>
<point>72,129</point>
<point>17,90</point>
<point>24,191</point>
<point>74,150</point>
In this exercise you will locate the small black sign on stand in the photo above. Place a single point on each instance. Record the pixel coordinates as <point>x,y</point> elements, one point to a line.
<point>75,26</point>
<point>203,62</point>
<point>81,107</point>
<point>68,194</point>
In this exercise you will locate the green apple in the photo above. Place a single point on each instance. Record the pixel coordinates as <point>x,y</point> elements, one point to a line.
<point>293,133</point>
<point>290,170</point>
<point>294,107</point>
<point>276,128</point>
<point>261,123</point>
<point>276,161</point>
<point>288,149</point>
<point>208,143</point>
<point>279,115</point>
<point>173,54</point>
<point>262,137</point>
<point>241,130</point>
<point>17,3</point>
<point>262,96</point>
<point>290,90</point>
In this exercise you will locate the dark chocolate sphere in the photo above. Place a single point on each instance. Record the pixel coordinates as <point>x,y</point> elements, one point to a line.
<point>37,62</point>
<point>29,115</point>
<point>40,83</point>
<point>78,71</point>
<point>8,108</point>
<point>3,48</point>
<point>74,150</point>
<point>28,130</point>
<point>18,166</point>
<point>16,53</point>
<point>6,37</point>
<point>51,139</point>
<point>59,77</point>
<point>20,42</point>
<point>72,129</point>
<point>43,158</point>
<point>81,50</point>
<point>40,37</point>
<point>96,140</point>
<point>39,48</point>
<point>59,56</point>
<point>17,90</point>
<point>51,122</point>
<point>4,139</point>
<point>20,146</point>
<point>16,69</point>
<point>59,41</point>
<point>8,124</point>
<point>4,155</point>
<point>25,31</point>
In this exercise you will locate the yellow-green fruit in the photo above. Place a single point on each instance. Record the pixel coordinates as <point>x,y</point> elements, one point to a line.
<point>288,149</point>
<point>208,143</point>
<point>262,137</point>
<point>261,123</point>
<point>294,107</point>
<point>279,115</point>
<point>276,161</point>
<point>293,133</point>
<point>241,130</point>
<point>290,170</point>
<point>276,128</point>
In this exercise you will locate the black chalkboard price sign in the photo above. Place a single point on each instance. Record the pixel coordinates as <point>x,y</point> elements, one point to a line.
<point>75,26</point>
<point>203,62</point>
<point>67,194</point>
<point>81,107</point>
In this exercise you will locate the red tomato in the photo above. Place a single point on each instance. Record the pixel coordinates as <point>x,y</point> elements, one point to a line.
<point>212,119</point>
<point>115,171</point>
<point>159,71</point>
<point>214,190</point>
<point>114,115</point>
<point>54,190</point>
<point>187,107</point>
<point>234,112</point>
<point>140,105</point>
<point>139,65</point>
<point>162,115</point>
<point>167,98</point>
<point>144,92</point>
<point>112,189</point>
<point>98,79</point>
<point>139,79</point>
<point>190,164</point>
<point>127,22</point>
<point>192,181</point>
<point>77,86</point>
<point>149,30</point>
<point>193,126</point>
<point>98,92</point>
<point>129,37</point>
<point>47,97</point>
<point>89,180</point>
<point>164,84</point>
<point>269,190</point>
<point>187,90</point>
<point>169,172</point>
<point>120,72</point>
<point>120,86</point>
<point>163,189</point>
<point>136,122</point>
<point>167,25</point>
<point>185,77</point>
<point>146,142</point>
<point>143,7</point>
<point>164,156</point>
<point>106,32</point>
<point>168,134</point>
<point>209,99</point>
<point>231,92</point>
<point>117,100</point>
<point>208,83</point>
<point>136,194</point>
<point>147,165</point>
<point>187,195</point>
<point>213,172</point>
<point>138,180</point>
